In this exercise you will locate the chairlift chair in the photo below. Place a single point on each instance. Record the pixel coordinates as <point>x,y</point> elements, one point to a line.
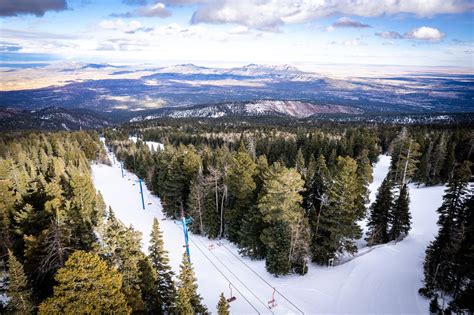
<point>272,303</point>
<point>232,298</point>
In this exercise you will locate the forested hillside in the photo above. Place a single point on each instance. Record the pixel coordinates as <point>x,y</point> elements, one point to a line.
<point>288,194</point>
<point>291,195</point>
<point>64,251</point>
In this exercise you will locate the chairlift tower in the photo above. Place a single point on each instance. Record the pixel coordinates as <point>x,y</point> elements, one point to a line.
<point>184,222</point>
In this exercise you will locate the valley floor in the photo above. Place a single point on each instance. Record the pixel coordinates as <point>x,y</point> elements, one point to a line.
<point>384,279</point>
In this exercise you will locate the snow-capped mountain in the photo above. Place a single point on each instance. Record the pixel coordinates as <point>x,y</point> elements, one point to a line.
<point>295,109</point>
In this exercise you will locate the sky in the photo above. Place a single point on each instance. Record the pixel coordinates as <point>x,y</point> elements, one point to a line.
<point>232,32</point>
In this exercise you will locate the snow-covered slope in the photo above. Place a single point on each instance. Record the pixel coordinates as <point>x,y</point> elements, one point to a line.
<point>296,109</point>
<point>383,280</point>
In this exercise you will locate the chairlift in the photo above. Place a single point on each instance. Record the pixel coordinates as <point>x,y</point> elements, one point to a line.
<point>272,303</point>
<point>211,247</point>
<point>232,298</point>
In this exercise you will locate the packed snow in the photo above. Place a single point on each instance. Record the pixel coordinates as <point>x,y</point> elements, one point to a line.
<point>153,146</point>
<point>382,279</point>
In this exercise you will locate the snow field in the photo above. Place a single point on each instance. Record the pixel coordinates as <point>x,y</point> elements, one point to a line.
<point>384,279</point>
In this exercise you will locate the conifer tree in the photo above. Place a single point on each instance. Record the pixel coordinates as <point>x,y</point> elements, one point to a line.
<point>316,198</point>
<point>405,159</point>
<point>18,292</point>
<point>280,206</point>
<point>148,287</point>
<point>364,178</point>
<point>253,224</point>
<point>223,307</point>
<point>121,247</point>
<point>379,217</point>
<point>188,283</point>
<point>299,163</point>
<point>400,218</point>
<point>338,228</point>
<point>197,198</point>
<point>86,285</point>
<point>165,288</point>
<point>441,268</point>
<point>241,191</point>
<point>183,303</point>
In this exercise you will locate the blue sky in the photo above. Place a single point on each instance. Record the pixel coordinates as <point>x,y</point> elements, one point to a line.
<point>225,32</point>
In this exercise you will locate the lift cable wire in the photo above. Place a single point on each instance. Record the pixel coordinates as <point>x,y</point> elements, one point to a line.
<point>230,271</point>
<point>269,284</point>
<point>217,268</point>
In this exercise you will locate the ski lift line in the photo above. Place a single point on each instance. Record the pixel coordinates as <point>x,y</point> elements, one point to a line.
<point>263,279</point>
<point>223,275</point>
<point>217,268</point>
<point>238,278</point>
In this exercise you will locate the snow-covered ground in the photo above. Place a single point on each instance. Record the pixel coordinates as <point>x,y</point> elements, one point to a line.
<point>153,146</point>
<point>384,279</point>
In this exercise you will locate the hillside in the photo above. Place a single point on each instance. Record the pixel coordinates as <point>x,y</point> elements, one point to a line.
<point>384,279</point>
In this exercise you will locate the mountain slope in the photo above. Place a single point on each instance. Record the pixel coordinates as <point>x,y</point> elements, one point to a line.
<point>383,280</point>
<point>51,118</point>
<point>295,109</point>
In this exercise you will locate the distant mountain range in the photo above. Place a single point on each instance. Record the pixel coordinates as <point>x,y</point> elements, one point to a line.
<point>114,89</point>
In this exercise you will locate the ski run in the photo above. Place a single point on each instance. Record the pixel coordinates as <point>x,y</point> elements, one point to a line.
<point>381,279</point>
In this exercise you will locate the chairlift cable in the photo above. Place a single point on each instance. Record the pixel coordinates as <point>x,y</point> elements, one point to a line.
<point>263,279</point>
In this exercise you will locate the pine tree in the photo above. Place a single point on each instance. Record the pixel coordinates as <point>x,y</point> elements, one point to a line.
<point>338,228</point>
<point>241,191</point>
<point>165,289</point>
<point>316,198</point>
<point>188,283</point>
<point>18,291</point>
<point>86,285</point>
<point>121,247</point>
<point>379,216</point>
<point>405,160</point>
<point>252,227</point>
<point>280,206</point>
<point>400,218</point>
<point>183,303</point>
<point>364,178</point>
<point>223,307</point>
<point>299,163</point>
<point>440,266</point>
<point>148,290</point>
<point>197,198</point>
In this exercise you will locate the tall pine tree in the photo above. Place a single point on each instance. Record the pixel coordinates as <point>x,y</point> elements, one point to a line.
<point>400,217</point>
<point>19,293</point>
<point>164,285</point>
<point>187,282</point>
<point>379,217</point>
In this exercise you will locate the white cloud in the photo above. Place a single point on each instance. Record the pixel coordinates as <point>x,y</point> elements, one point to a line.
<point>120,25</point>
<point>425,33</point>
<point>239,30</point>
<point>270,15</point>
<point>156,10</point>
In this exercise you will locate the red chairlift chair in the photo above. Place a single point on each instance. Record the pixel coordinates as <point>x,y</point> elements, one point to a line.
<point>272,303</point>
<point>232,297</point>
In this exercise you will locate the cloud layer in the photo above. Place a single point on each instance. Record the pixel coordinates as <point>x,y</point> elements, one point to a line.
<point>38,8</point>
<point>270,15</point>
<point>347,22</point>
